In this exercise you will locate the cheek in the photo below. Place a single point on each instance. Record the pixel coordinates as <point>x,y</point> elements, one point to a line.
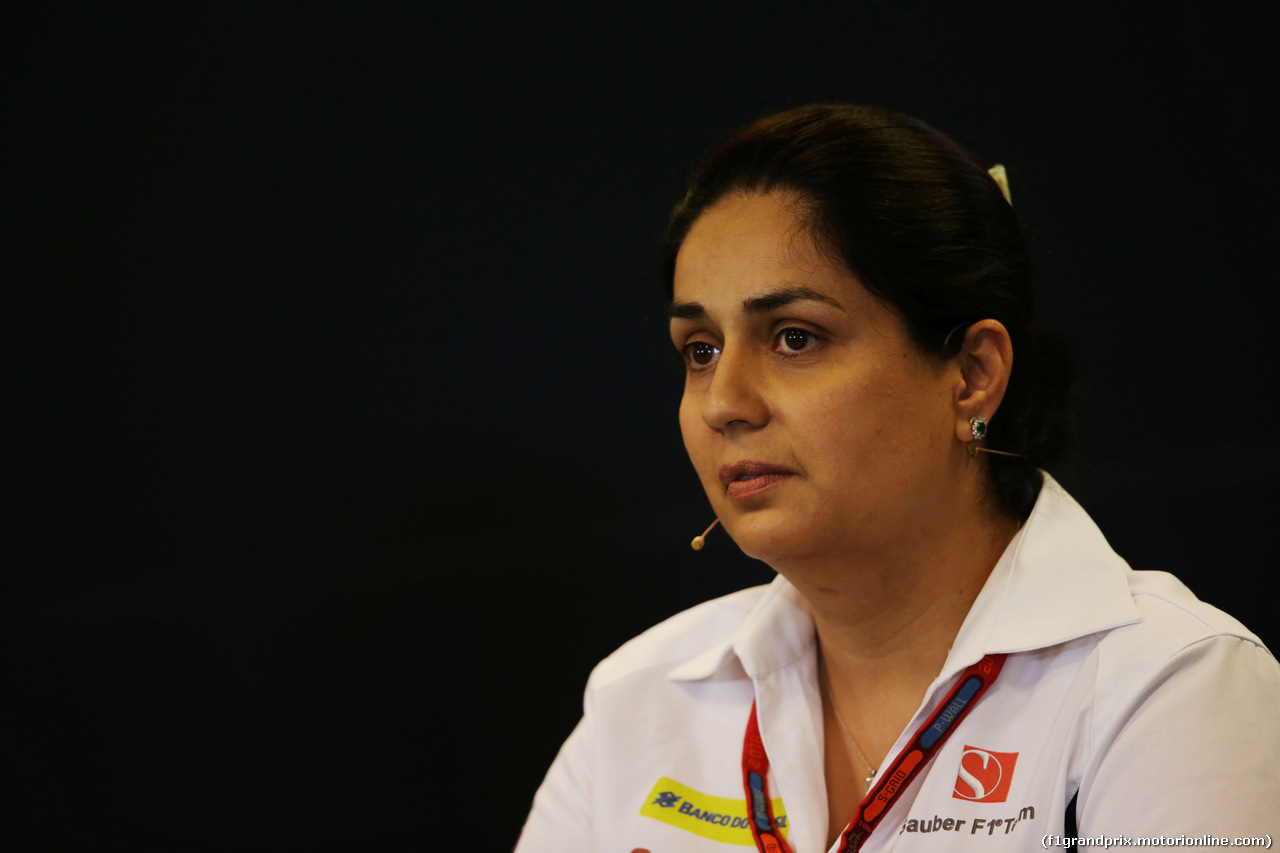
<point>843,413</point>
<point>853,423</point>
<point>700,442</point>
<point>690,421</point>
<point>887,421</point>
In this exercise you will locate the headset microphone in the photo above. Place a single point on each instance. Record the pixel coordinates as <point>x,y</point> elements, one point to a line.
<point>699,541</point>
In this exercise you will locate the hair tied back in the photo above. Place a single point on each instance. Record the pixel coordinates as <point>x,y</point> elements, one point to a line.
<point>1001,178</point>
<point>910,214</point>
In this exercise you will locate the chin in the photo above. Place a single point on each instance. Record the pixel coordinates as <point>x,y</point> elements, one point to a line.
<point>767,539</point>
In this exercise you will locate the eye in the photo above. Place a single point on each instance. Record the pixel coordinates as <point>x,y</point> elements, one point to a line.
<point>701,354</point>
<point>795,340</point>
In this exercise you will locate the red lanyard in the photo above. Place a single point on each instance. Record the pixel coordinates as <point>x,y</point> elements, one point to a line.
<point>974,682</point>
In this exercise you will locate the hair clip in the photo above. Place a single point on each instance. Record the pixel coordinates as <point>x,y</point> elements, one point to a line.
<point>1001,178</point>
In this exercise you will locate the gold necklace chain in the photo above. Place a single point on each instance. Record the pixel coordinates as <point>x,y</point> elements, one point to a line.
<point>826,679</point>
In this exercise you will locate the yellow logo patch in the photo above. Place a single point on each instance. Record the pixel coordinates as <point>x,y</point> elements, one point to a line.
<point>718,818</point>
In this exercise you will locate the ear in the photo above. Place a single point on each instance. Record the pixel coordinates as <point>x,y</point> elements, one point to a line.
<point>986,358</point>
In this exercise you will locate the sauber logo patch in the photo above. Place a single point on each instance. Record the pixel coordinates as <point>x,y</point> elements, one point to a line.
<point>718,818</point>
<point>984,776</point>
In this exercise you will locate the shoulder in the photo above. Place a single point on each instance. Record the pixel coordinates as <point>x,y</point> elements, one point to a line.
<point>1064,582</point>
<point>1181,694</point>
<point>1168,605</point>
<point>1173,621</point>
<point>705,627</point>
<point>1182,650</point>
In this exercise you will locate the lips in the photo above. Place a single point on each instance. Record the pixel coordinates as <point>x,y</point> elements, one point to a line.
<point>747,478</point>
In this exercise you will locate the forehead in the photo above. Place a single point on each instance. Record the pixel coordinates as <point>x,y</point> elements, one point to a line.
<point>747,243</point>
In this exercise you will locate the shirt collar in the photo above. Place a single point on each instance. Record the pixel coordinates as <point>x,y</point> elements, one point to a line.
<point>1057,580</point>
<point>776,632</point>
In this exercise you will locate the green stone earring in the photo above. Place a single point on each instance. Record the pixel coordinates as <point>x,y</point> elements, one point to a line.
<point>978,426</point>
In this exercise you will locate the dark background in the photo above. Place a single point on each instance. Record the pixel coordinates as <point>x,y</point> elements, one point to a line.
<point>342,414</point>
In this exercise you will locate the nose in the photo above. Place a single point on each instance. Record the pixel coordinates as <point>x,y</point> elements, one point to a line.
<point>733,399</point>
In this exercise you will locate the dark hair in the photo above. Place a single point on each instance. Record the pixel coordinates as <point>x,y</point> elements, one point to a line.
<point>924,228</point>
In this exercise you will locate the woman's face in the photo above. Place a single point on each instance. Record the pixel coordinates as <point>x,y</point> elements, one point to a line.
<point>815,425</point>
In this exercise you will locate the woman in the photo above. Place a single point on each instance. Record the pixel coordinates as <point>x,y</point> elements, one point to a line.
<point>951,656</point>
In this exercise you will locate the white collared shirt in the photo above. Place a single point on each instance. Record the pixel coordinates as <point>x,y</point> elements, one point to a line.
<point>1160,710</point>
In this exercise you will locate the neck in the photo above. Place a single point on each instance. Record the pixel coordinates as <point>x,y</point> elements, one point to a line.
<point>885,622</point>
<point>886,617</point>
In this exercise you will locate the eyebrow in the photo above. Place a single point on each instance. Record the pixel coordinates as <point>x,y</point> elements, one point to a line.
<point>762,304</point>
